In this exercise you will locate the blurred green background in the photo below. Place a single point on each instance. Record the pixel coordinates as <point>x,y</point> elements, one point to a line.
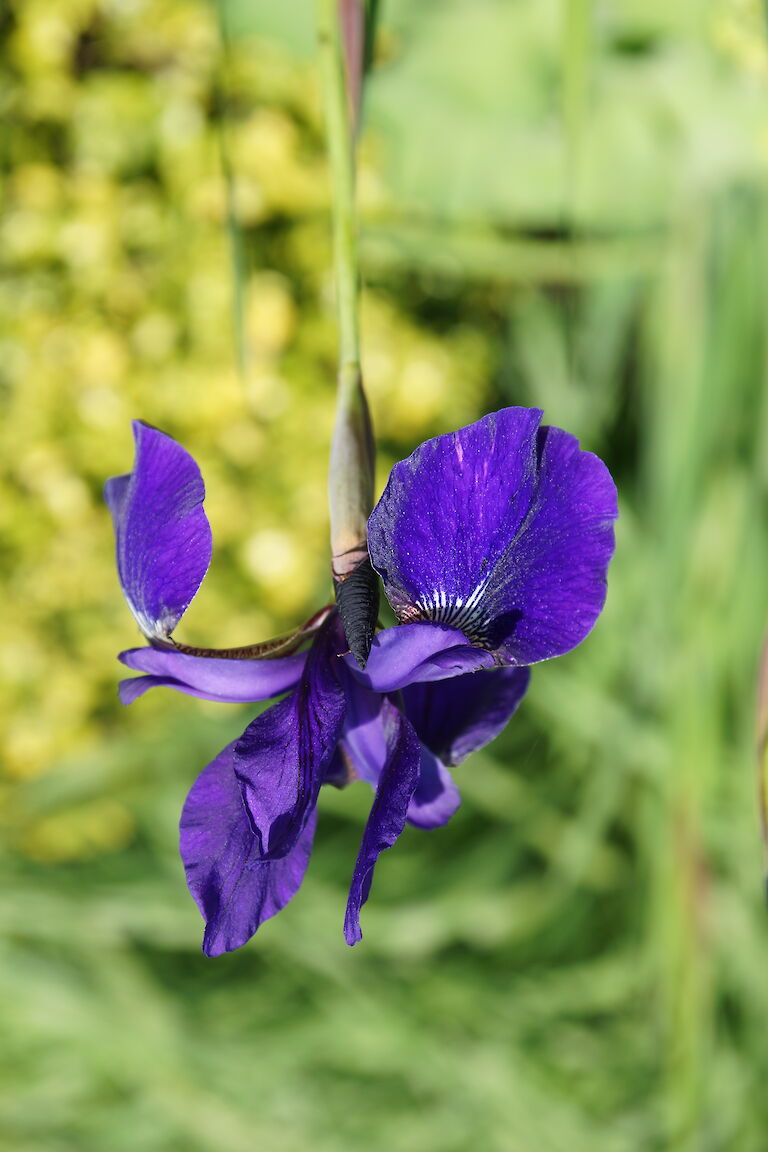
<point>564,204</point>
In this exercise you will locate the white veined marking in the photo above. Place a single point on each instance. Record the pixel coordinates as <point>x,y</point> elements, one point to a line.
<point>466,615</point>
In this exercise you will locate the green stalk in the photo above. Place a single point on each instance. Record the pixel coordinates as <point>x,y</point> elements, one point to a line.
<point>350,487</point>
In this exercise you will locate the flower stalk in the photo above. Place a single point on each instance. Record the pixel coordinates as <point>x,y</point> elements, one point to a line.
<point>351,473</point>
<point>352,14</point>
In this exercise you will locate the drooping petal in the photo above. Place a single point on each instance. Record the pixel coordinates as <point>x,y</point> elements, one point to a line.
<point>339,772</point>
<point>211,678</point>
<point>386,821</point>
<point>364,740</point>
<point>456,717</point>
<point>412,653</point>
<point>363,737</point>
<point>163,539</point>
<point>503,530</point>
<point>234,889</point>
<point>283,756</point>
<point>436,798</point>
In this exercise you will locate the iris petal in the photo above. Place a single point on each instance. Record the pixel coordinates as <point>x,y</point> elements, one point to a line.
<point>449,511</point>
<point>364,738</point>
<point>163,539</point>
<point>397,783</point>
<point>456,717</point>
<point>503,530</point>
<point>552,580</point>
<point>212,678</point>
<point>436,797</point>
<point>411,653</point>
<point>234,889</point>
<point>284,754</point>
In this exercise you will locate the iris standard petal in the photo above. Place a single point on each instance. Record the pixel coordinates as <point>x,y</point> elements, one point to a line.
<point>449,511</point>
<point>397,783</point>
<point>551,584</point>
<point>163,539</point>
<point>456,717</point>
<point>411,653</point>
<point>211,678</point>
<point>283,756</point>
<point>234,889</point>
<point>503,530</point>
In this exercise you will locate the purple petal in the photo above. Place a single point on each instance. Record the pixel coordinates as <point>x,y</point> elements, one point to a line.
<point>162,534</point>
<point>338,773</point>
<point>284,754</point>
<point>209,677</point>
<point>234,890</point>
<point>552,583</point>
<point>502,529</point>
<point>411,653</point>
<point>365,742</point>
<point>450,510</point>
<point>456,717</point>
<point>364,739</point>
<point>388,814</point>
<point>436,797</point>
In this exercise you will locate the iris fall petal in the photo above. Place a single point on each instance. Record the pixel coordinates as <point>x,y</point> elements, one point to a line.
<point>389,812</point>
<point>234,889</point>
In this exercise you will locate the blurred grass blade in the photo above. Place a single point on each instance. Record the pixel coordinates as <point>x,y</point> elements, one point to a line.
<point>577,18</point>
<point>358,24</point>
<point>372,14</point>
<point>762,753</point>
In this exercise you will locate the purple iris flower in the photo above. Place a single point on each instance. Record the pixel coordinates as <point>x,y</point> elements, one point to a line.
<point>492,543</point>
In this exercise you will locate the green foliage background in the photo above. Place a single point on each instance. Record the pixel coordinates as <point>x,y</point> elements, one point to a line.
<point>564,204</point>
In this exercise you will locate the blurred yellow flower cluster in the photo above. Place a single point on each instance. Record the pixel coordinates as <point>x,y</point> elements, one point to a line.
<point>738,30</point>
<point>133,144</point>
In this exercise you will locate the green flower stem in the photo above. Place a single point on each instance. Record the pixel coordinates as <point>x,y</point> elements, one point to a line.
<point>350,486</point>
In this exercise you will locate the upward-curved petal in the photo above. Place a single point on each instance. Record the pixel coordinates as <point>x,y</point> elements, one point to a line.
<point>550,585</point>
<point>163,539</point>
<point>448,513</point>
<point>503,530</point>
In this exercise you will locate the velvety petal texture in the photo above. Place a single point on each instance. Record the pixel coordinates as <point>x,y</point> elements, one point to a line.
<point>456,717</point>
<point>283,756</point>
<point>503,530</point>
<point>389,812</point>
<point>234,888</point>
<point>210,677</point>
<point>163,539</point>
